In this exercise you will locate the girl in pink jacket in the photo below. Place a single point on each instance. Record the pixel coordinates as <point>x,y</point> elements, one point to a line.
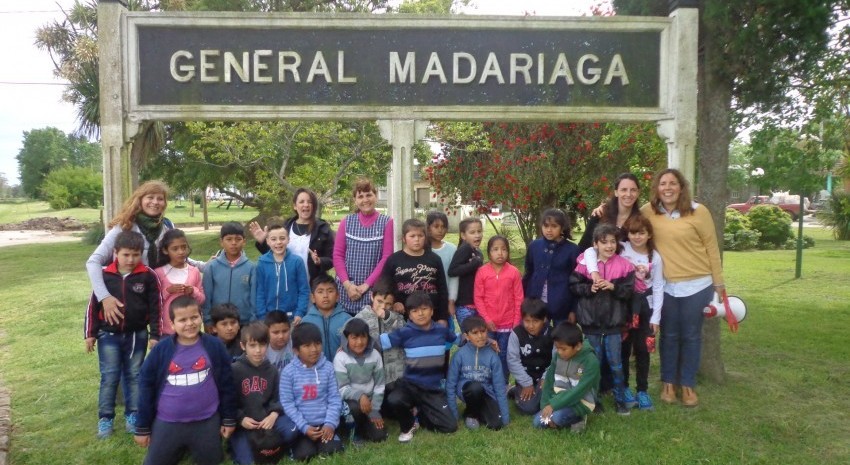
<point>176,276</point>
<point>498,295</point>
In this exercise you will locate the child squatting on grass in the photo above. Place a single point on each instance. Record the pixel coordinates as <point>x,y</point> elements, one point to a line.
<point>187,399</point>
<point>569,388</point>
<point>121,347</point>
<point>424,343</point>
<point>360,376</point>
<point>225,325</point>
<point>475,376</point>
<point>310,396</point>
<point>259,413</point>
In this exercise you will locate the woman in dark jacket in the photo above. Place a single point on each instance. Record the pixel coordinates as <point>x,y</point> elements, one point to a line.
<point>622,205</point>
<point>310,238</point>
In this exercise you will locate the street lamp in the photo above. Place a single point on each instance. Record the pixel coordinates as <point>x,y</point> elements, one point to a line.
<point>757,173</point>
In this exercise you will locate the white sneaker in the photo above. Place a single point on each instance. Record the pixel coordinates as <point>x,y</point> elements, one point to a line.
<point>406,437</point>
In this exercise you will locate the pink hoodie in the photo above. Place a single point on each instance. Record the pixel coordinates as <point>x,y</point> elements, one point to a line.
<point>498,296</point>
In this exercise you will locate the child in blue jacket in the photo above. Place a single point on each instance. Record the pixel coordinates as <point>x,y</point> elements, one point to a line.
<point>229,278</point>
<point>281,278</point>
<point>475,375</point>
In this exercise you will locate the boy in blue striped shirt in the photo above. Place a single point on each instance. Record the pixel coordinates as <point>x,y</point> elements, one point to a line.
<point>424,344</point>
<point>310,396</point>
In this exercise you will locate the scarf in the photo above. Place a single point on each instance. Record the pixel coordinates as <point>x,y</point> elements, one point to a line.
<point>151,228</point>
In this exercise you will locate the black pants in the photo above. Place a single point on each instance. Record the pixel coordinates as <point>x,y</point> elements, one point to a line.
<point>363,426</point>
<point>434,413</point>
<point>636,342</point>
<point>305,448</point>
<point>480,406</point>
<point>169,442</point>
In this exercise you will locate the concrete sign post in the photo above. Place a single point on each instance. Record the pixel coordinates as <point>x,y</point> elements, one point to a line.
<point>402,70</point>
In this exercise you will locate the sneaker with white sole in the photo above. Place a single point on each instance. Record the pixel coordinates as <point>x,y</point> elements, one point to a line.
<point>406,437</point>
<point>622,409</point>
<point>104,428</point>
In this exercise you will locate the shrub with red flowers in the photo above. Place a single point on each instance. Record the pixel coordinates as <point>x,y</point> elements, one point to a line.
<point>527,167</point>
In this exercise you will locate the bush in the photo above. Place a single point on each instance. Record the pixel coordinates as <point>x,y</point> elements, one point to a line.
<point>94,235</point>
<point>736,221</point>
<point>73,187</point>
<point>808,242</point>
<point>836,215</point>
<point>738,233</point>
<point>744,239</point>
<point>773,224</point>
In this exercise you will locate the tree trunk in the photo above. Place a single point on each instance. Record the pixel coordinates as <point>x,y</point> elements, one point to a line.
<point>714,135</point>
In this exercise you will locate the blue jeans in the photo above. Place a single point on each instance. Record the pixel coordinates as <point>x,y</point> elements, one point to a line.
<point>609,350</point>
<point>681,337</point>
<point>564,417</point>
<point>242,453</point>
<point>120,356</point>
<point>463,312</point>
<point>501,338</point>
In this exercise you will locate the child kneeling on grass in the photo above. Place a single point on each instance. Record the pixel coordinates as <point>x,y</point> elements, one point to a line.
<point>569,388</point>
<point>310,396</point>
<point>260,414</point>
<point>424,344</point>
<point>475,375</point>
<point>187,398</point>
<point>360,376</point>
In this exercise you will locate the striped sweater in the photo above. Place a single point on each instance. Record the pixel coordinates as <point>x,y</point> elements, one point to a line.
<point>309,395</point>
<point>358,375</point>
<point>424,352</point>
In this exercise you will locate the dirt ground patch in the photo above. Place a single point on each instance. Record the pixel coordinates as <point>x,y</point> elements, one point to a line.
<point>46,223</point>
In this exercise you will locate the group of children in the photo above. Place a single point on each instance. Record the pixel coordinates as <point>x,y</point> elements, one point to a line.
<point>391,359</point>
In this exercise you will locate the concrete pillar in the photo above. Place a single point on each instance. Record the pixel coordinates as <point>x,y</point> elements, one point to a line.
<point>116,151</point>
<point>402,134</point>
<point>680,132</point>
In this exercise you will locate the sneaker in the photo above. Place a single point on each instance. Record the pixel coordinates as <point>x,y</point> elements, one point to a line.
<point>104,428</point>
<point>406,437</point>
<point>130,423</point>
<point>579,426</point>
<point>471,423</point>
<point>622,409</point>
<point>644,401</point>
<point>598,408</point>
<point>629,398</point>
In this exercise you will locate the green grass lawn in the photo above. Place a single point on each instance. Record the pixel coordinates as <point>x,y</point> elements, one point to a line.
<point>787,399</point>
<point>178,212</point>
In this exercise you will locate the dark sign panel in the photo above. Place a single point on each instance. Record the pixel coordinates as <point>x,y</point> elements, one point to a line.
<point>247,65</point>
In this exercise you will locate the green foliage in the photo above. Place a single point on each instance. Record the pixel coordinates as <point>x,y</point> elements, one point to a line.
<point>48,149</point>
<point>73,187</point>
<point>837,215</point>
<point>793,160</point>
<point>773,224</point>
<point>527,167</point>
<point>263,163</point>
<point>94,235</point>
<point>791,243</point>
<point>738,233</point>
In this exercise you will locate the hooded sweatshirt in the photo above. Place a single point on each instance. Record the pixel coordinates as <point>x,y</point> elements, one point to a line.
<point>225,284</point>
<point>256,388</point>
<point>498,295</point>
<point>330,327</point>
<point>358,375</point>
<point>604,311</point>
<point>393,359</point>
<point>470,363</point>
<point>573,382</point>
<point>281,286</point>
<point>309,395</point>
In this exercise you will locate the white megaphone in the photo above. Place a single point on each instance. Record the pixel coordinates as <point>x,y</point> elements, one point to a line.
<point>735,306</point>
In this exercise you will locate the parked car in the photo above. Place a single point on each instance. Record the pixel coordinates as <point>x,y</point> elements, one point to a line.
<point>789,204</point>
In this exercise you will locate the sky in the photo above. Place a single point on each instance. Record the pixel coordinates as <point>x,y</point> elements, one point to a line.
<point>31,96</point>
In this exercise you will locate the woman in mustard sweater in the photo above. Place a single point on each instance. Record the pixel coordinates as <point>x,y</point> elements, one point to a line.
<point>685,237</point>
